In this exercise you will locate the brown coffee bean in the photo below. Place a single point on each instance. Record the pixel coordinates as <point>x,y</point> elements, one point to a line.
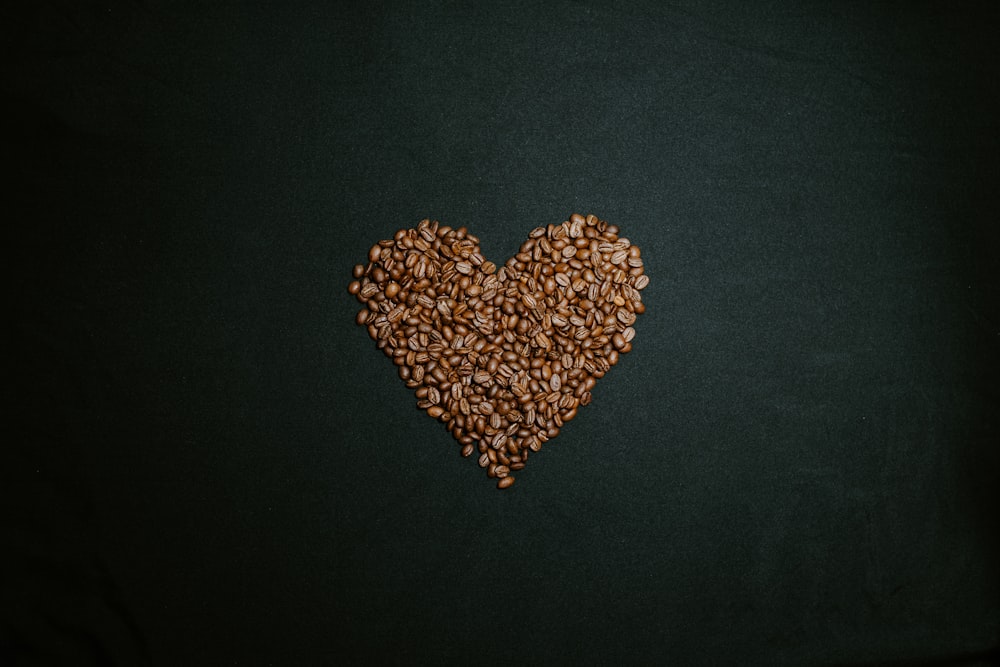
<point>433,395</point>
<point>505,482</point>
<point>500,440</point>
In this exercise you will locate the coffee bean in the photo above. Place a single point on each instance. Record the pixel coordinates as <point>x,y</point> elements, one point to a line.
<point>505,482</point>
<point>500,440</point>
<point>433,395</point>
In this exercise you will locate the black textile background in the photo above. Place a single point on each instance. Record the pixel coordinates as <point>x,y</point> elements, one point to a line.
<point>211,464</point>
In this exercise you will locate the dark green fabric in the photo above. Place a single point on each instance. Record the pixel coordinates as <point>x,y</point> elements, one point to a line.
<point>211,464</point>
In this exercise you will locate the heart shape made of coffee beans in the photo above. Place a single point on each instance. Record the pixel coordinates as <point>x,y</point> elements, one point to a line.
<point>504,357</point>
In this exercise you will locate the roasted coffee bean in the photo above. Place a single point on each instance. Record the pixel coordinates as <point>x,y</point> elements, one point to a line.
<point>433,395</point>
<point>503,357</point>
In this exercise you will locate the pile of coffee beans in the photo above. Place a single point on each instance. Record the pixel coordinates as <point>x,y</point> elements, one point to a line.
<point>503,357</point>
